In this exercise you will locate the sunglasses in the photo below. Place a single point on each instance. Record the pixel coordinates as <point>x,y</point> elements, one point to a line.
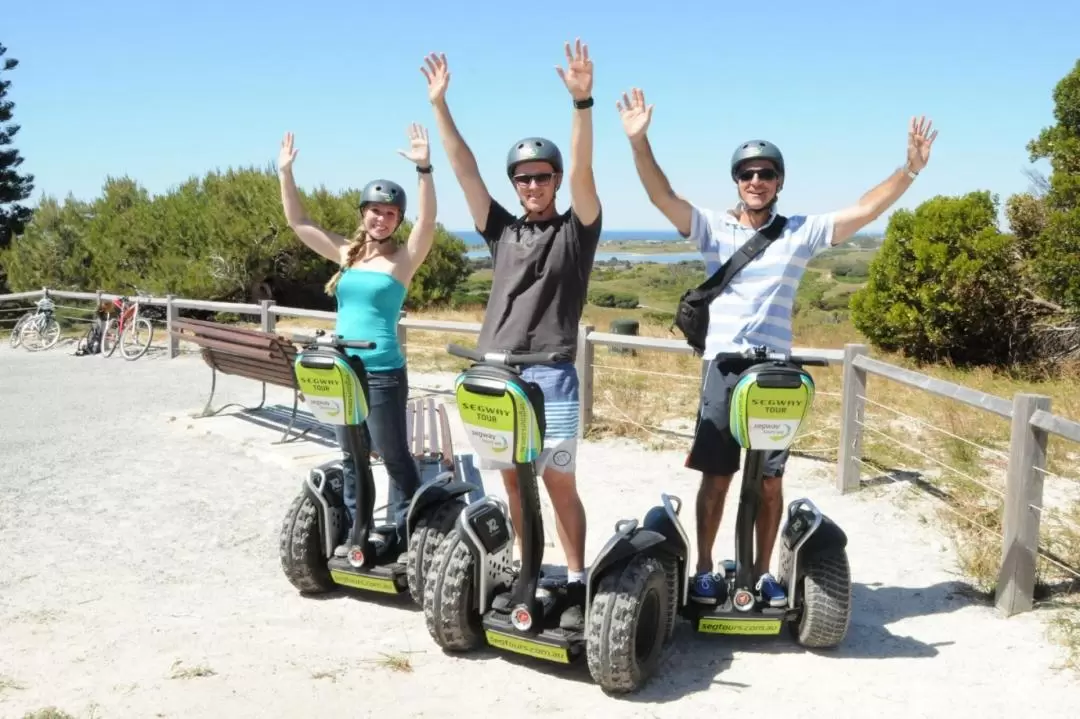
<point>542,179</point>
<point>765,174</point>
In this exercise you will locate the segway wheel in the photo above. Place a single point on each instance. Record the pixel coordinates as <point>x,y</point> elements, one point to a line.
<point>826,601</point>
<point>300,548</point>
<point>629,620</point>
<point>449,611</point>
<point>426,537</point>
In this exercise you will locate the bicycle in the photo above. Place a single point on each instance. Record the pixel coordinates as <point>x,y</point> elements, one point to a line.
<point>42,323</point>
<point>127,324</point>
<point>16,332</point>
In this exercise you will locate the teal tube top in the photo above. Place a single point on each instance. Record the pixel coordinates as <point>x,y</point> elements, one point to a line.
<point>368,306</point>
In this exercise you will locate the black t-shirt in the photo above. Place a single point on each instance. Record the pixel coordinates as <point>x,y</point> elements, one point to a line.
<point>540,282</point>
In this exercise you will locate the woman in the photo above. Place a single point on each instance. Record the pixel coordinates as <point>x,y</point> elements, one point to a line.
<point>370,288</point>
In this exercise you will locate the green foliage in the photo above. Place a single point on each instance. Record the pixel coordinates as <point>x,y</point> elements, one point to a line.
<point>1055,235</point>
<point>944,285</point>
<point>607,298</point>
<point>14,187</point>
<point>221,237</point>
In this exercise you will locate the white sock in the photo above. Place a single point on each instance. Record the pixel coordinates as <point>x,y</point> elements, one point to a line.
<point>577,576</point>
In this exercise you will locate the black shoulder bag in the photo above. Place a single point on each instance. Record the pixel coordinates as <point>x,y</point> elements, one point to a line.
<point>692,315</point>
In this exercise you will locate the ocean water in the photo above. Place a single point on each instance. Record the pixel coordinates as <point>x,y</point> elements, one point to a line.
<point>476,249</point>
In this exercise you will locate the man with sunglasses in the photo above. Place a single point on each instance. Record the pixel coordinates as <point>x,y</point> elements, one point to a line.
<point>542,262</point>
<point>753,310</point>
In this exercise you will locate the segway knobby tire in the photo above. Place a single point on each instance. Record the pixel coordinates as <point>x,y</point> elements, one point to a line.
<point>826,599</point>
<point>426,537</point>
<point>300,548</point>
<point>448,595</point>
<point>629,620</point>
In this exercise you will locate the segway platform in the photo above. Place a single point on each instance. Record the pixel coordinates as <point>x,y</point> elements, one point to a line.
<point>386,578</point>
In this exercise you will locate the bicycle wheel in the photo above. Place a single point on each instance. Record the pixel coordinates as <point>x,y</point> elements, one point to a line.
<point>109,338</point>
<point>16,331</point>
<point>49,333</point>
<point>141,333</point>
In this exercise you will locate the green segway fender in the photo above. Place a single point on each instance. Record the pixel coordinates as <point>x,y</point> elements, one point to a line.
<point>498,415</point>
<point>332,390</point>
<point>769,404</point>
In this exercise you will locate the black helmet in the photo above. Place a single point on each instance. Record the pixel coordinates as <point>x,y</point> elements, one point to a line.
<point>384,192</point>
<point>533,149</point>
<point>757,150</point>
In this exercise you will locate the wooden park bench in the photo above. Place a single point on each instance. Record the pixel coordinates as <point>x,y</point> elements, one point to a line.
<point>262,356</point>
<point>268,358</point>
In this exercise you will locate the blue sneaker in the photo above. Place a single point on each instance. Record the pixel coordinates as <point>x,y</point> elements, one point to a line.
<point>770,592</point>
<point>706,588</point>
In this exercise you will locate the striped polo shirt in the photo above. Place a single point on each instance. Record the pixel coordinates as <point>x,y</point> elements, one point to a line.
<point>755,309</point>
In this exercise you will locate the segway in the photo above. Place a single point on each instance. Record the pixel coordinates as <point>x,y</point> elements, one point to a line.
<point>769,403</point>
<point>335,390</point>
<point>473,594</point>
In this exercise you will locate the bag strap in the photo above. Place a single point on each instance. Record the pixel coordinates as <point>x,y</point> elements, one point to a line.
<point>751,249</point>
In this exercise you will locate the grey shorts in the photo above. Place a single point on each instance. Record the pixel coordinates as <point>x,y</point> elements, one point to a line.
<point>714,450</point>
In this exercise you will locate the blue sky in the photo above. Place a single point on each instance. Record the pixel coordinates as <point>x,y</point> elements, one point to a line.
<point>163,91</point>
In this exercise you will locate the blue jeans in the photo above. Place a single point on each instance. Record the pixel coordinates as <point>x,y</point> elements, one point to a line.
<point>388,393</point>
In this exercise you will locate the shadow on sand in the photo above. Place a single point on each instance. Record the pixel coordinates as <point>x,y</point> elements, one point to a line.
<point>696,662</point>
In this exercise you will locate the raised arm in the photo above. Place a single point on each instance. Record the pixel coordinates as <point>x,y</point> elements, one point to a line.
<point>880,198</point>
<point>326,243</point>
<point>461,157</point>
<point>636,116</point>
<point>578,78</point>
<point>422,235</point>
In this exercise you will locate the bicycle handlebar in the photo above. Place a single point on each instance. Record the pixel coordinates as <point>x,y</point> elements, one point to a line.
<point>506,358</point>
<point>760,354</point>
<point>321,338</point>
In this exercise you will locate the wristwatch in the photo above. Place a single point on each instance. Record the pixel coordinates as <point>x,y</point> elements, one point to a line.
<point>583,104</point>
<point>423,170</point>
<point>910,173</point>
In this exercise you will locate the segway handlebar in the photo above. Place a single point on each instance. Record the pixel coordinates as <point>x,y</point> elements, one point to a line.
<point>321,338</point>
<point>762,354</point>
<point>507,358</point>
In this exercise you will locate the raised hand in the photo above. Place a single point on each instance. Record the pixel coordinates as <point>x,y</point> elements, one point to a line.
<point>287,153</point>
<point>437,73</point>
<point>419,151</point>
<point>635,114</point>
<point>919,141</point>
<point>578,76</point>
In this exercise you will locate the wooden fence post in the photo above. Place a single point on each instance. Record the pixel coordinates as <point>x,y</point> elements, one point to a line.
<point>267,318</point>
<point>171,315</point>
<point>852,412</point>
<point>584,363</point>
<point>1023,501</point>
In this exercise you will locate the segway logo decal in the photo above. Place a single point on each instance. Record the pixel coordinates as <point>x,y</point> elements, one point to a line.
<point>716,625</point>
<point>561,458</point>
<point>360,581</point>
<point>769,417</point>
<point>331,391</point>
<point>527,647</point>
<point>501,428</point>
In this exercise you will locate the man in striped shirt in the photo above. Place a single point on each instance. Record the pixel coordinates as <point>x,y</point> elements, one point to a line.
<point>753,310</point>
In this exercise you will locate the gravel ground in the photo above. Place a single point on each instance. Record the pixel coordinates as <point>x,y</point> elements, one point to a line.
<point>140,578</point>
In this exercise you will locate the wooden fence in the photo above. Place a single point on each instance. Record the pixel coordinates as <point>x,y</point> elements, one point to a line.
<point>1029,415</point>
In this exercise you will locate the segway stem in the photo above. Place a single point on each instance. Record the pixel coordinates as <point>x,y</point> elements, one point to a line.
<point>749,505</point>
<point>357,446</point>
<point>532,540</point>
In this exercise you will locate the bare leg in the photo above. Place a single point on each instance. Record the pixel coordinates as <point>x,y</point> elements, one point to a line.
<point>710,511</point>
<point>569,516</point>
<point>513,499</point>
<point>767,524</point>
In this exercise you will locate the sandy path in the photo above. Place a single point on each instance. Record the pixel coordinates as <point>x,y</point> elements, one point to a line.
<point>132,542</point>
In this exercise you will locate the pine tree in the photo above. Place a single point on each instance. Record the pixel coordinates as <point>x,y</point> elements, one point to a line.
<point>14,187</point>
